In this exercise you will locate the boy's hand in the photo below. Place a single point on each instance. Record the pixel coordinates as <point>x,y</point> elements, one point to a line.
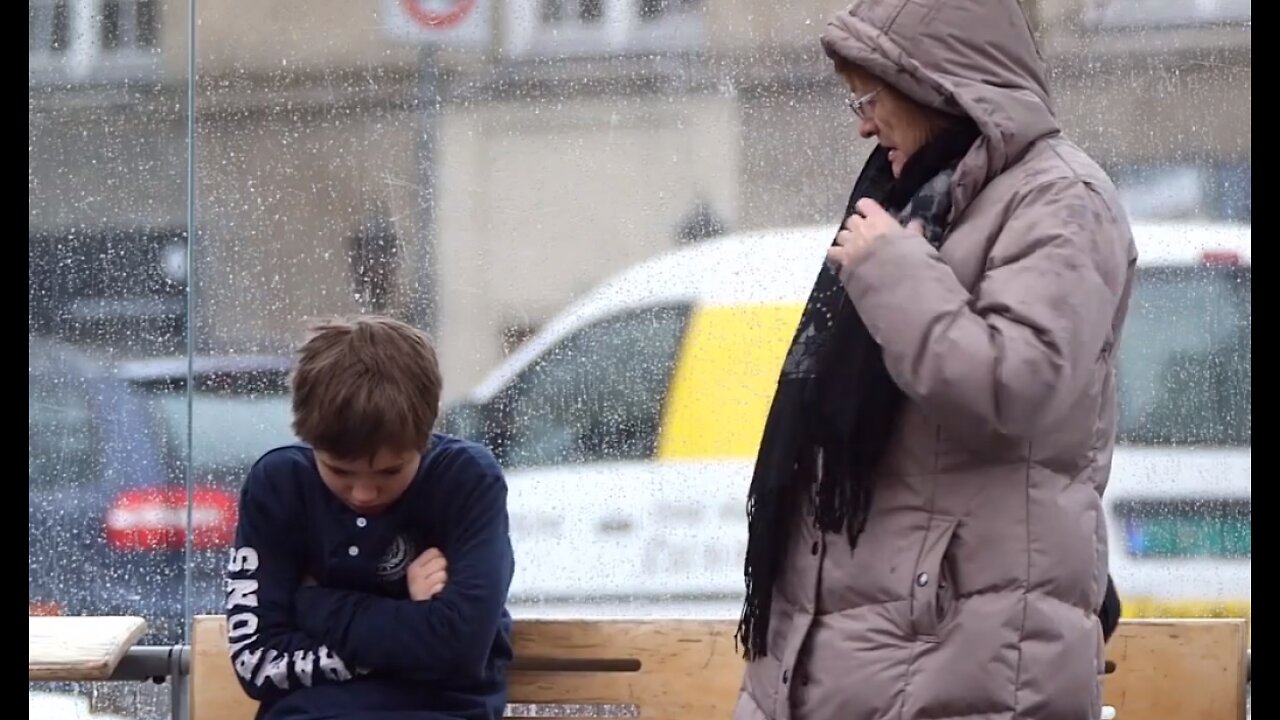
<point>426,575</point>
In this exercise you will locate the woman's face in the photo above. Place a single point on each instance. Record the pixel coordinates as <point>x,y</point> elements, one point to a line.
<point>884,114</point>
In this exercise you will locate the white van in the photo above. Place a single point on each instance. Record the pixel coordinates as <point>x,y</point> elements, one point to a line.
<point>629,424</point>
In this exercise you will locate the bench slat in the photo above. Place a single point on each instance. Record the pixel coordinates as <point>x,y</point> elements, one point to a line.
<point>687,668</point>
<point>215,692</point>
<point>76,648</point>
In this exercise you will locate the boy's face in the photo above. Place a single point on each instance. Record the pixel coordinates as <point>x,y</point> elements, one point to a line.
<point>369,485</point>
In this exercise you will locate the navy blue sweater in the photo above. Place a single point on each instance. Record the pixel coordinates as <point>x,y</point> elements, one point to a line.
<point>356,641</point>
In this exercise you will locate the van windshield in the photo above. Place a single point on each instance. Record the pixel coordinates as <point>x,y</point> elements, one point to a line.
<point>1185,359</point>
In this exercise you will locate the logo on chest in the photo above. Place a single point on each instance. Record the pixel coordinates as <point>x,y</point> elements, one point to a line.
<point>395,561</point>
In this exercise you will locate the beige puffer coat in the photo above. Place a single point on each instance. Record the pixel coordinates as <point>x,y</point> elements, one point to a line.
<point>973,589</point>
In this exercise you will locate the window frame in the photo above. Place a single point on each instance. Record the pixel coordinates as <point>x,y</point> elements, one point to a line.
<point>620,30</point>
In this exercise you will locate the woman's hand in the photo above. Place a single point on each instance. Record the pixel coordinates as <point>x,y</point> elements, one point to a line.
<point>861,231</point>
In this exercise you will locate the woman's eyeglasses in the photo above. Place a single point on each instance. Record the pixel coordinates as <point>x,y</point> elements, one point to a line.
<point>859,104</point>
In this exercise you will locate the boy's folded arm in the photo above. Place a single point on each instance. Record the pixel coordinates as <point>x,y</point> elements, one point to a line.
<point>448,636</point>
<point>270,654</point>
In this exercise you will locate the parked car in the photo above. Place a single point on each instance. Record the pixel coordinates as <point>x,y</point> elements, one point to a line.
<point>90,439</point>
<point>110,464</point>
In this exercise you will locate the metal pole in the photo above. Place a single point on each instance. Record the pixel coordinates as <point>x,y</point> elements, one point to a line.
<point>153,662</point>
<point>180,676</point>
<point>424,307</point>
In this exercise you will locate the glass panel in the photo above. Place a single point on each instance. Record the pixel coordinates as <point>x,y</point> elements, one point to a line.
<point>108,205</point>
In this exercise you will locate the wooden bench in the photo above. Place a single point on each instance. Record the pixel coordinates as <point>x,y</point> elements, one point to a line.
<point>1165,669</point>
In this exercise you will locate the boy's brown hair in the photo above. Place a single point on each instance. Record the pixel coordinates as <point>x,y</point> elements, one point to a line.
<point>363,384</point>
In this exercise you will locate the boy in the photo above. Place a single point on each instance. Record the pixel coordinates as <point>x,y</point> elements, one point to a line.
<point>372,560</point>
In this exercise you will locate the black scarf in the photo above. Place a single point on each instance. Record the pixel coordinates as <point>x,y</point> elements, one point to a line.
<point>833,411</point>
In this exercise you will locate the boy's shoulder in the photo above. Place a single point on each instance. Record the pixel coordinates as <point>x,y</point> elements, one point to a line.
<point>455,457</point>
<point>459,481</point>
<point>457,467</point>
<point>279,468</point>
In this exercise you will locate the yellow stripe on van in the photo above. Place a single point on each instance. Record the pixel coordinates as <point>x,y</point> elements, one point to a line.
<point>1148,607</point>
<point>724,380</point>
<point>1156,608</point>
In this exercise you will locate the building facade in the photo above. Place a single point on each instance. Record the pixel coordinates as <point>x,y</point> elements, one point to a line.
<point>477,189</point>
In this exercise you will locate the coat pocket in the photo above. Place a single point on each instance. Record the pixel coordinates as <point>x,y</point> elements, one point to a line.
<point>933,584</point>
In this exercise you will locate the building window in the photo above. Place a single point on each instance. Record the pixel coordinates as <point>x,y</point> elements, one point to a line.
<point>538,28</point>
<point>89,39</point>
<point>554,12</point>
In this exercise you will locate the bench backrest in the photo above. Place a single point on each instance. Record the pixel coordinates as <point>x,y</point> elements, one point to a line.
<point>1178,669</point>
<point>651,668</point>
<point>1165,669</point>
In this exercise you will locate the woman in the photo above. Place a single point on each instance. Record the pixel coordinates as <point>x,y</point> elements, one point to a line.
<point>926,527</point>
